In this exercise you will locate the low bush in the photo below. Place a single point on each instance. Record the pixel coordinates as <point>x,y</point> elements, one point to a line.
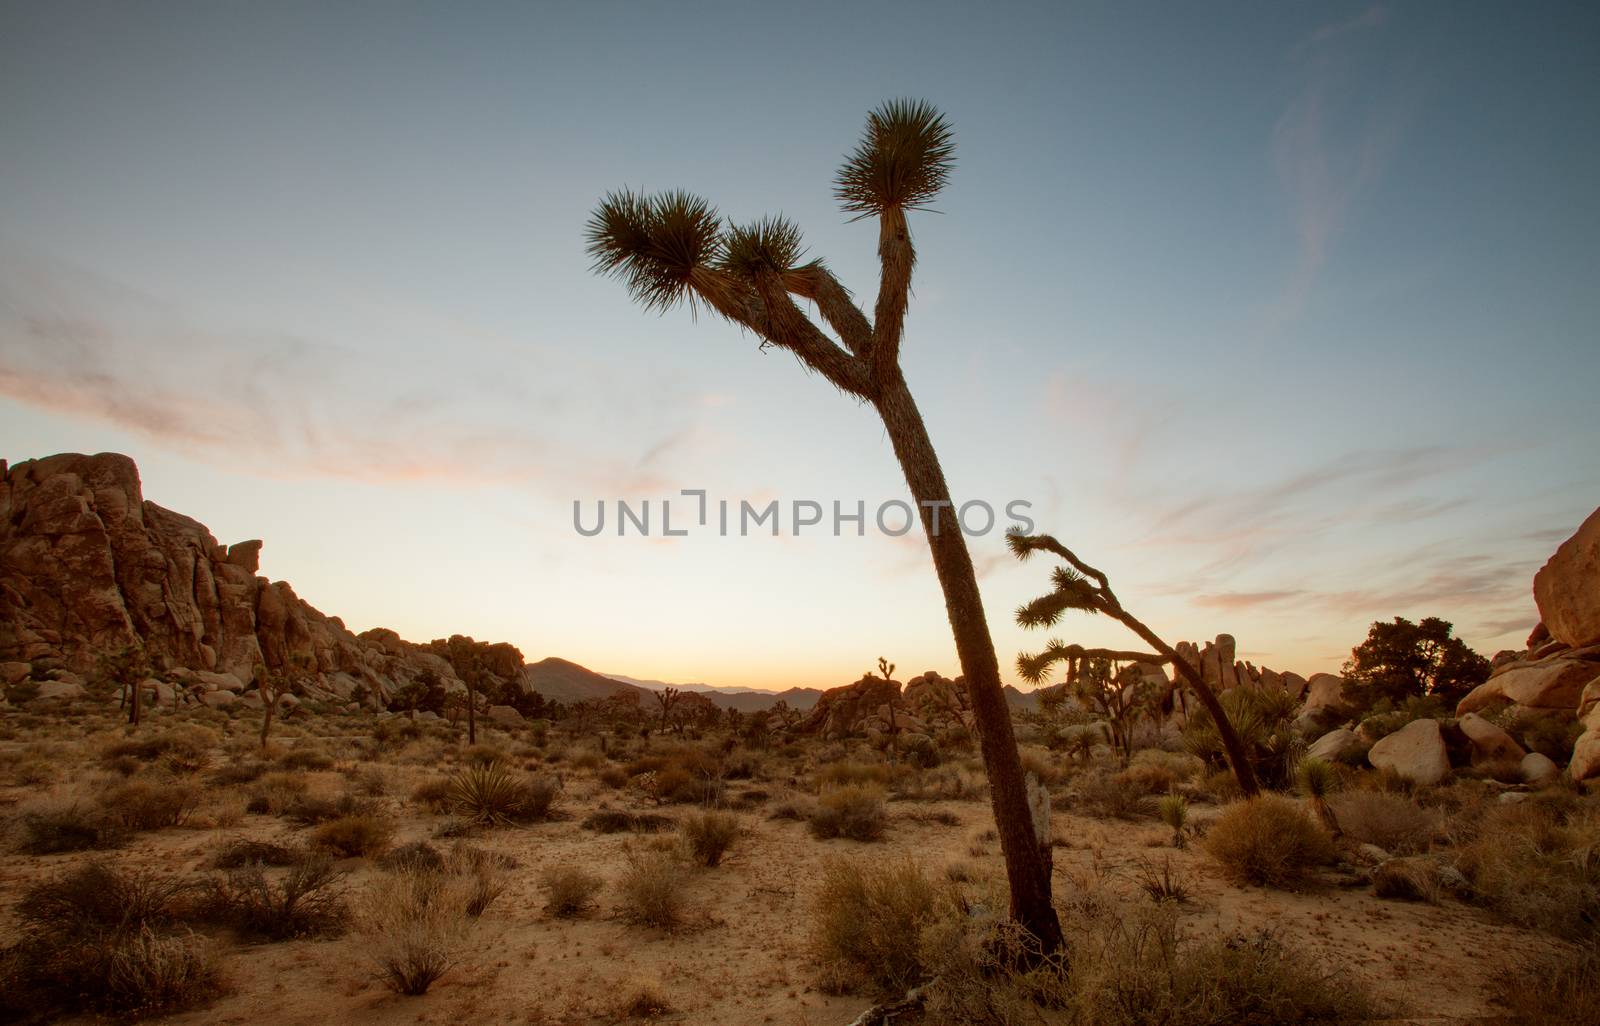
<point>867,923</point>
<point>150,804</point>
<point>102,895</point>
<point>1393,822</point>
<point>358,836</point>
<point>1113,795</point>
<point>643,999</point>
<point>709,835</point>
<point>651,889</point>
<point>307,901</point>
<point>273,793</point>
<point>1537,864</point>
<point>433,794</point>
<point>414,924</point>
<point>1562,989</point>
<point>310,810</point>
<point>418,856</point>
<point>240,852</point>
<point>854,811</point>
<point>492,795</point>
<point>52,828</point>
<point>1268,840</point>
<point>306,759</point>
<point>569,890</point>
<point>614,821</point>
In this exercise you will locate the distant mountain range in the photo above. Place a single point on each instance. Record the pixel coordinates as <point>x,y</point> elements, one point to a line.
<point>742,699</point>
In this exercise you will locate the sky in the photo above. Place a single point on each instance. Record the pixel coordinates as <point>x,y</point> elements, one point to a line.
<point>1282,314</point>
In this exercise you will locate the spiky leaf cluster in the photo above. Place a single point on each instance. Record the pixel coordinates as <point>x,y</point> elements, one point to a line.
<point>654,244</point>
<point>903,160</point>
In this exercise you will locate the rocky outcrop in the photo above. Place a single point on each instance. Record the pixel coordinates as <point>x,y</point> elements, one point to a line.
<point>88,566</point>
<point>1222,671</point>
<point>1554,682</point>
<point>1338,745</point>
<point>1567,587</point>
<point>853,709</point>
<point>1416,751</point>
<point>1489,742</point>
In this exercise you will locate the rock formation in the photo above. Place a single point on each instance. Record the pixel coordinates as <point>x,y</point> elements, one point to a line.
<point>88,566</point>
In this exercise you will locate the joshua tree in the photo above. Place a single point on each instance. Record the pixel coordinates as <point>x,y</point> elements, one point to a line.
<point>674,247</point>
<point>1079,586</point>
<point>886,670</point>
<point>667,699</point>
<point>273,685</point>
<point>126,669</point>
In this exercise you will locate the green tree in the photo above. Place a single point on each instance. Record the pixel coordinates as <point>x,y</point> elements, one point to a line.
<point>674,247</point>
<point>1402,659</point>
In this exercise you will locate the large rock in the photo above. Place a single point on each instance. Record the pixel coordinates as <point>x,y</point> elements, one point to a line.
<point>1538,768</point>
<point>1325,702</point>
<point>1337,745</point>
<point>220,699</point>
<point>1553,683</point>
<point>1585,762</point>
<point>1416,751</point>
<point>851,709</point>
<point>59,689</point>
<point>504,716</point>
<point>88,566</point>
<point>1489,742</point>
<point>1567,587</point>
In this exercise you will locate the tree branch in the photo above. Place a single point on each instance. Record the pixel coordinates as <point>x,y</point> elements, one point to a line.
<point>818,284</point>
<point>897,257</point>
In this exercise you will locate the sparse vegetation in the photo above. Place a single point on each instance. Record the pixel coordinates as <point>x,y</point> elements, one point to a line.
<point>570,890</point>
<point>867,923</point>
<point>709,835</point>
<point>853,811</point>
<point>651,889</point>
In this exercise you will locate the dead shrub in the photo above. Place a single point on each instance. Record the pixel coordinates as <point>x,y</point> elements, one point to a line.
<point>150,804</point>
<point>1113,795</point>
<point>360,836</point>
<point>643,999</point>
<point>305,902</point>
<point>1536,866</point>
<point>306,759</point>
<point>1269,840</point>
<point>570,890</point>
<point>1393,822</point>
<point>131,974</point>
<point>310,810</point>
<point>52,828</point>
<point>709,835</point>
<point>273,793</point>
<point>102,895</point>
<point>414,924</point>
<point>867,921</point>
<point>240,852</point>
<point>613,821</point>
<point>433,794</point>
<point>854,811</point>
<point>1562,989</point>
<point>651,889</point>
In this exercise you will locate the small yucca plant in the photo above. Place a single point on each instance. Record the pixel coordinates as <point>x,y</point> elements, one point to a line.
<point>488,794</point>
<point>1174,812</point>
<point>1318,781</point>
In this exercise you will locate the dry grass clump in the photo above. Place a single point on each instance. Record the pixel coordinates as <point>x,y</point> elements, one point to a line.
<point>1393,822</point>
<point>418,856</point>
<point>614,821</point>
<point>947,782</point>
<point>708,835</point>
<point>151,804</point>
<point>306,759</point>
<point>1560,990</point>
<point>358,836</point>
<point>54,827</point>
<point>643,999</point>
<point>492,795</point>
<point>1269,840</point>
<point>90,942</point>
<point>845,774</point>
<point>854,811</point>
<point>310,810</point>
<point>414,924</point>
<point>274,793</point>
<point>651,889</point>
<point>182,749</point>
<point>433,794</point>
<point>1132,967</point>
<point>1536,864</point>
<point>570,889</point>
<point>1114,795</point>
<point>1408,879</point>
<point>240,852</point>
<point>307,901</point>
<point>867,922</point>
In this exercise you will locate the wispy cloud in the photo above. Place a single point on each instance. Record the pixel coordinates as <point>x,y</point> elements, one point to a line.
<point>76,343</point>
<point>1328,147</point>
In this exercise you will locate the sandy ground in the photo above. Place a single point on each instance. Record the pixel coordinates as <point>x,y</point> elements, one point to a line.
<point>742,957</point>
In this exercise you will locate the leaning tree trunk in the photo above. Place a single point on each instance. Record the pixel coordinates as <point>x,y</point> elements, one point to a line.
<point>1026,871</point>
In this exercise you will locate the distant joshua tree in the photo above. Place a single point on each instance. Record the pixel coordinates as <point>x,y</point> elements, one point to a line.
<point>1079,586</point>
<point>667,699</point>
<point>674,247</point>
<point>126,670</point>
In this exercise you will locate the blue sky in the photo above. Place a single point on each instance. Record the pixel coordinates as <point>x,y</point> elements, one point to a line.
<point>1282,314</point>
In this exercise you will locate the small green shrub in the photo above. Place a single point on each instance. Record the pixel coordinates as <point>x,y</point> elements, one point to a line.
<point>709,835</point>
<point>867,922</point>
<point>853,811</point>
<point>570,890</point>
<point>1268,840</point>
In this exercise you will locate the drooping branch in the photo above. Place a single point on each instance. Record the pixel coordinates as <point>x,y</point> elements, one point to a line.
<point>1086,589</point>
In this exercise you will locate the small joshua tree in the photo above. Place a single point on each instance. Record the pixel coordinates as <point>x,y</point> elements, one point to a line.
<point>886,671</point>
<point>667,699</point>
<point>1079,586</point>
<point>273,685</point>
<point>126,669</point>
